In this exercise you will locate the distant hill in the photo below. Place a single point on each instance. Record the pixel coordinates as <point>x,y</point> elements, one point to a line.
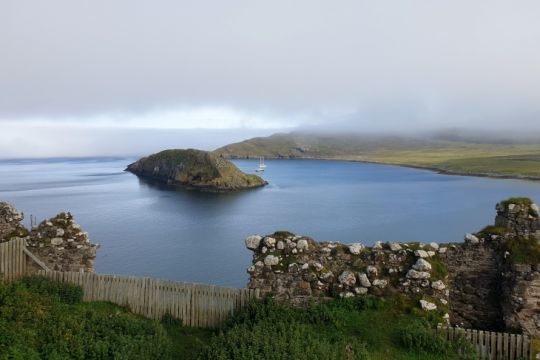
<point>456,154</point>
<point>194,169</point>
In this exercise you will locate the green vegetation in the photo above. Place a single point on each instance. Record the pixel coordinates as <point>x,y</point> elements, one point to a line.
<point>357,328</point>
<point>187,342</point>
<point>195,169</point>
<point>438,268</point>
<point>458,156</point>
<point>282,235</point>
<point>523,250</point>
<point>493,230</point>
<point>517,201</point>
<point>40,319</point>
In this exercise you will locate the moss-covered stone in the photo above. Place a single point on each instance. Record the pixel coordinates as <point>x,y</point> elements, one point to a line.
<point>517,201</point>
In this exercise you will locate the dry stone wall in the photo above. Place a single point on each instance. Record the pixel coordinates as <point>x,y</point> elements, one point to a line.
<point>474,270</point>
<point>520,217</point>
<point>297,268</point>
<point>483,282</point>
<point>62,245</point>
<point>58,242</point>
<point>521,294</point>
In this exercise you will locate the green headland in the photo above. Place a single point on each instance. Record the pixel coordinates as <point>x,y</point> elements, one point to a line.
<point>461,156</point>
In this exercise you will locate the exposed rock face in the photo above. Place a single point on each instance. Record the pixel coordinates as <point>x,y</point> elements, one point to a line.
<point>194,169</point>
<point>57,242</point>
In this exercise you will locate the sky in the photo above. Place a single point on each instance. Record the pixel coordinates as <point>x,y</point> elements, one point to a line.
<point>124,77</point>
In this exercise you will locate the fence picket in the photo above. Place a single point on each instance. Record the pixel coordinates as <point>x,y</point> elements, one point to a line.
<point>491,345</point>
<point>12,259</point>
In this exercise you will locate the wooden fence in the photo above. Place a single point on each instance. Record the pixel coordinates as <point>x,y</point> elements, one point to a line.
<point>492,345</point>
<point>12,259</point>
<point>196,304</point>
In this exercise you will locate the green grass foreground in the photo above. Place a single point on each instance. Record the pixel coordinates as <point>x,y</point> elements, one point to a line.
<point>40,319</point>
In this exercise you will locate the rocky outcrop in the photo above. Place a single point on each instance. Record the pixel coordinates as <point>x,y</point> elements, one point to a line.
<point>194,169</point>
<point>490,281</point>
<point>59,242</point>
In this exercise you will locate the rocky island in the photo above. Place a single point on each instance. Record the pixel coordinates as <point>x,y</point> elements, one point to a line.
<point>194,169</point>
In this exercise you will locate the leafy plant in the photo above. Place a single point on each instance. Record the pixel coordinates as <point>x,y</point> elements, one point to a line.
<point>63,292</point>
<point>42,319</point>
<point>419,337</point>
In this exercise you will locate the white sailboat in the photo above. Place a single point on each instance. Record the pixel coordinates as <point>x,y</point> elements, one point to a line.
<point>262,166</point>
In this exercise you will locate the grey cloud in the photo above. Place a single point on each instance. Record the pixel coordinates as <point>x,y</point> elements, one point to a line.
<point>61,141</point>
<point>394,63</point>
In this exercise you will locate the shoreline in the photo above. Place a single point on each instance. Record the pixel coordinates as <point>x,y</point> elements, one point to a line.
<point>419,167</point>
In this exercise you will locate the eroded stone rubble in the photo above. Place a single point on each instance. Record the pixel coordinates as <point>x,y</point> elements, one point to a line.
<point>58,242</point>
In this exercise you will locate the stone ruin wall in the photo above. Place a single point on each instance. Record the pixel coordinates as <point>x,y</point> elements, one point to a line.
<point>59,242</point>
<point>520,285</point>
<point>297,268</point>
<point>10,223</point>
<point>473,281</point>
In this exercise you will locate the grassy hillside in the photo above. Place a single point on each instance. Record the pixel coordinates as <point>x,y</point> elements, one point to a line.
<point>457,156</point>
<point>40,319</point>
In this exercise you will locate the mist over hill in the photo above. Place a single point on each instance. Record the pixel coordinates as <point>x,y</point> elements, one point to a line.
<point>450,151</point>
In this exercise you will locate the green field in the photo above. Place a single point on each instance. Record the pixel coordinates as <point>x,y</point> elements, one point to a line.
<point>468,158</point>
<point>40,319</point>
<point>493,162</point>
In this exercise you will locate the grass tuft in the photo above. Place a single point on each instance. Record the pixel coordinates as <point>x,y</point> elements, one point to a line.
<point>493,230</point>
<point>518,201</point>
<point>523,250</point>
